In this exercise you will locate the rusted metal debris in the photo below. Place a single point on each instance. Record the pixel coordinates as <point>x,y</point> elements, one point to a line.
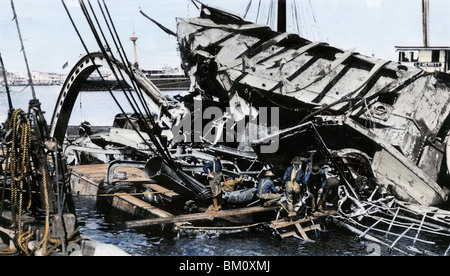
<point>397,115</point>
<point>380,127</point>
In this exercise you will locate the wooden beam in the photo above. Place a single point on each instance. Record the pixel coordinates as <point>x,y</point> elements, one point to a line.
<point>281,223</point>
<point>302,231</point>
<point>137,207</point>
<point>282,226</point>
<point>200,216</point>
<point>306,229</point>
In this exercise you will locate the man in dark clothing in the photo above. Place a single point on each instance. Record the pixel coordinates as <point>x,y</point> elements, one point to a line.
<point>293,179</point>
<point>267,191</point>
<point>316,181</point>
<point>214,171</point>
<point>330,188</point>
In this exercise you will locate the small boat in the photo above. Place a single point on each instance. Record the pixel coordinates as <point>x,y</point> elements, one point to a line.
<point>168,78</point>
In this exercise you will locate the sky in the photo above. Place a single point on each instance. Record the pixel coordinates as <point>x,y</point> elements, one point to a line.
<point>373,27</point>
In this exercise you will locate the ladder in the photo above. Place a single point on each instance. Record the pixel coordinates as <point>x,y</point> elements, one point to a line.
<point>299,226</point>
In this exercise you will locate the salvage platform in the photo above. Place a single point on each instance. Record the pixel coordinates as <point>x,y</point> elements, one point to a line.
<point>87,180</point>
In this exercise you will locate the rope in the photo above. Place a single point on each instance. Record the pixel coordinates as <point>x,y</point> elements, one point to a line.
<point>123,194</point>
<point>115,194</point>
<point>8,251</point>
<point>247,8</point>
<point>18,164</point>
<point>221,227</point>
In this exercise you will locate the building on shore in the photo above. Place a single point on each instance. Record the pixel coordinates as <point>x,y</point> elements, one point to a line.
<point>39,78</point>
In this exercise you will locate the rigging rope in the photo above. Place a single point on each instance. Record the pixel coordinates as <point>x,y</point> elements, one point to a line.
<point>247,8</point>
<point>149,129</point>
<point>133,102</point>
<point>101,75</point>
<point>259,9</point>
<point>110,63</point>
<point>18,164</point>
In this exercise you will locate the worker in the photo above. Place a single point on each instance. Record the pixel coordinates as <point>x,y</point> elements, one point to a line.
<point>292,180</point>
<point>331,188</point>
<point>214,171</point>
<point>316,181</point>
<point>267,192</point>
<point>85,128</point>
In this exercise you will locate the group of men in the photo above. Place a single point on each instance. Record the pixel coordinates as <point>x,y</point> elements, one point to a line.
<point>295,181</point>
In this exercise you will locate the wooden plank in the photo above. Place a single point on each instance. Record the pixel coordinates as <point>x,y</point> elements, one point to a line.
<point>306,229</point>
<point>302,231</point>
<point>288,234</point>
<point>302,50</point>
<point>200,216</point>
<point>159,189</point>
<point>81,184</point>
<point>135,206</point>
<point>90,168</point>
<point>326,71</point>
<point>86,179</point>
<point>281,223</point>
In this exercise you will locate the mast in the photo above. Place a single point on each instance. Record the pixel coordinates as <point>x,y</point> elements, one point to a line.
<point>30,79</point>
<point>425,21</point>
<point>282,16</point>
<point>6,83</point>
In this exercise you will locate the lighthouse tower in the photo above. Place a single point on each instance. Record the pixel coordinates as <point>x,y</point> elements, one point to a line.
<point>134,39</point>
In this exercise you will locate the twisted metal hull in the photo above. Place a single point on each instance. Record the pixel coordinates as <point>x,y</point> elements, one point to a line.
<point>397,115</point>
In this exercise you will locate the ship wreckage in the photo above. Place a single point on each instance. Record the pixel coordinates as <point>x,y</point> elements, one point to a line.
<point>380,127</point>
<point>393,120</point>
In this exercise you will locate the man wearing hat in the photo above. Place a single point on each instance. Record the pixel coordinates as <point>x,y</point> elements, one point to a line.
<point>292,179</point>
<point>267,191</point>
<point>316,180</point>
<point>214,171</point>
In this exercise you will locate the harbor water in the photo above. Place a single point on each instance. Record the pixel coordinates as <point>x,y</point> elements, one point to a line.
<point>99,109</point>
<point>254,242</point>
<point>96,107</point>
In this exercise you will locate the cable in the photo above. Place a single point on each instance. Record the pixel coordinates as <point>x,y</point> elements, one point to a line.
<point>247,8</point>
<point>314,18</point>
<point>101,76</point>
<point>133,103</point>
<point>259,9</point>
<point>139,113</point>
<point>163,151</point>
<point>30,79</point>
<point>124,57</point>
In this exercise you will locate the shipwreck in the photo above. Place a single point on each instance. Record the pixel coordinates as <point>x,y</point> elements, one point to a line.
<point>381,127</point>
<point>392,119</point>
